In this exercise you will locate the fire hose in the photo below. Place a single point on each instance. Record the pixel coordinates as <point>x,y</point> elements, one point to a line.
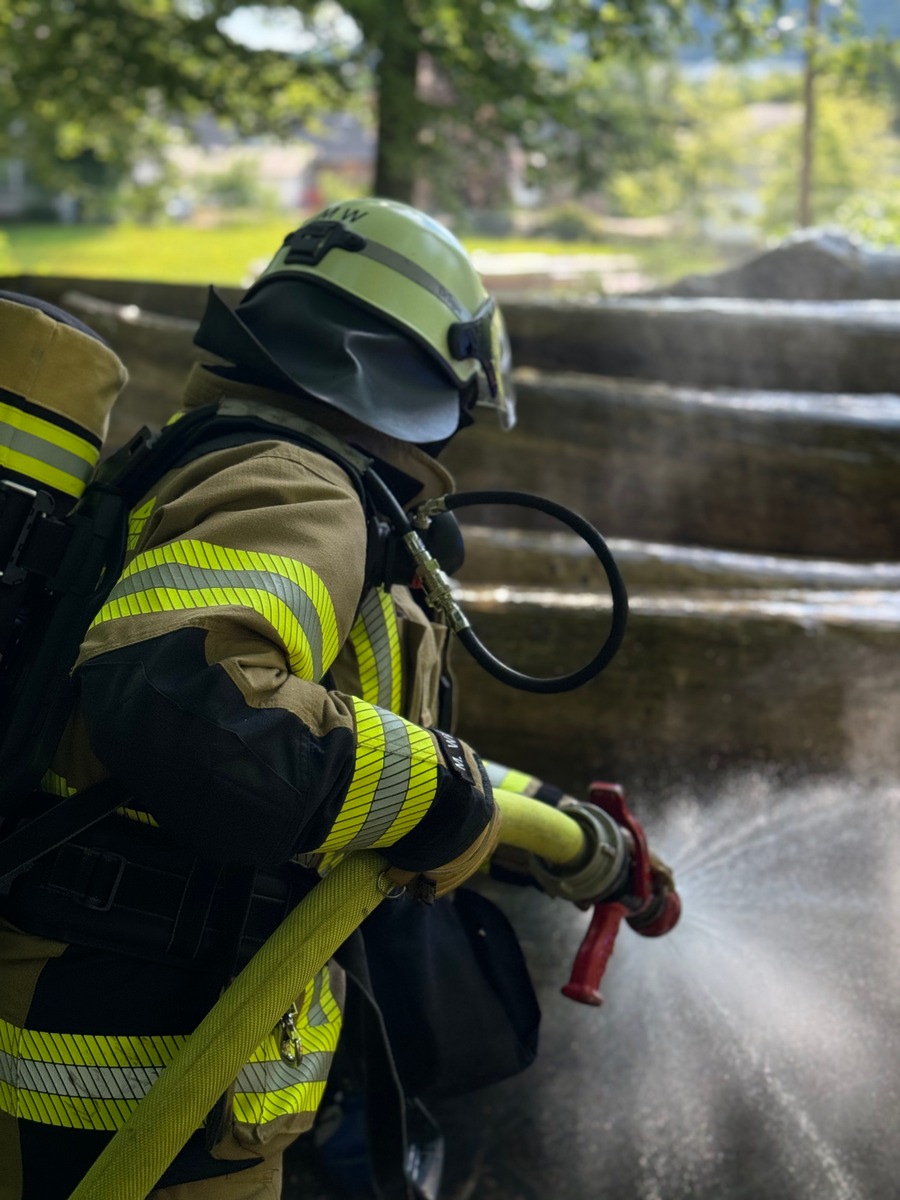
<point>567,843</point>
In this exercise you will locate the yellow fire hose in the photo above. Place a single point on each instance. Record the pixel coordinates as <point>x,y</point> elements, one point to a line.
<point>211,1059</point>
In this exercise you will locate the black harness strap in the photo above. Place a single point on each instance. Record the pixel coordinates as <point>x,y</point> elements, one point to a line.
<point>193,912</point>
<point>46,832</point>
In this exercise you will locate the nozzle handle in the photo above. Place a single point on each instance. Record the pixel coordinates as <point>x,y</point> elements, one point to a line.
<point>594,954</point>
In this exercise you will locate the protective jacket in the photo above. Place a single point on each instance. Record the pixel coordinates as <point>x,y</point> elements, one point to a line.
<point>264,712</point>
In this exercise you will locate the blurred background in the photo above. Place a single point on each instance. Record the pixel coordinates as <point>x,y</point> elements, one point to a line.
<point>631,141</point>
<point>690,211</point>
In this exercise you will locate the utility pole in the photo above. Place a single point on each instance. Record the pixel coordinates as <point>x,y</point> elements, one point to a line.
<point>810,66</point>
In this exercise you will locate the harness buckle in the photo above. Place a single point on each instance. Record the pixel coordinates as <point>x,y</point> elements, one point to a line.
<point>89,876</point>
<point>21,507</point>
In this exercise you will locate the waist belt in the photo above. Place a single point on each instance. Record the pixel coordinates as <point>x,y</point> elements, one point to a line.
<point>126,888</point>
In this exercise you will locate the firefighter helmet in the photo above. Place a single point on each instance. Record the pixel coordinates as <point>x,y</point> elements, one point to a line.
<point>375,308</point>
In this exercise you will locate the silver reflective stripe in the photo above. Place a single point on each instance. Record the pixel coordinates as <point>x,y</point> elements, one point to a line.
<point>317,1014</point>
<point>47,452</point>
<point>411,270</point>
<point>185,578</point>
<point>393,785</point>
<point>377,630</point>
<point>68,1079</point>
<point>496,772</point>
<point>274,1076</point>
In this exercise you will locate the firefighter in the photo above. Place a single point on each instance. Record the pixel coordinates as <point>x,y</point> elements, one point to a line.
<point>266,699</point>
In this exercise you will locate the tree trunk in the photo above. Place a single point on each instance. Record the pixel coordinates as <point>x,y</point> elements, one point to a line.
<point>398,110</point>
<point>805,213</point>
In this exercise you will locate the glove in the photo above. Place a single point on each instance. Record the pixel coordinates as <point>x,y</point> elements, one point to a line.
<point>438,881</point>
<point>467,793</point>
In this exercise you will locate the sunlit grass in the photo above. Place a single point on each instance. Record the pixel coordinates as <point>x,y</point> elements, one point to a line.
<point>223,254</point>
<point>171,254</point>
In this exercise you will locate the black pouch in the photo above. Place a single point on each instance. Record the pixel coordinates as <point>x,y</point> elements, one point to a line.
<point>454,991</point>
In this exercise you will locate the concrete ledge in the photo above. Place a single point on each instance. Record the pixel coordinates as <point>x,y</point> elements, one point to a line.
<point>800,682</point>
<point>517,557</point>
<point>797,473</point>
<point>851,346</point>
<point>758,472</point>
<point>847,346</point>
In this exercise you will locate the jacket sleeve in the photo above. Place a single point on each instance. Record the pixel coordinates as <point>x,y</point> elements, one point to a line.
<point>508,779</point>
<point>199,677</point>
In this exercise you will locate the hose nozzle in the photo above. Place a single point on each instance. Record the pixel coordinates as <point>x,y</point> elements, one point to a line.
<point>646,899</point>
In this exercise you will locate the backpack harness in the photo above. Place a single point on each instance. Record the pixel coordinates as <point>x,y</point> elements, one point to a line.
<point>58,570</point>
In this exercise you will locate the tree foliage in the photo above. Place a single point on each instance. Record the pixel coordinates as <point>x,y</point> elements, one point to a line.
<point>91,81</point>
<point>736,154</point>
<point>88,86</point>
<point>458,77</point>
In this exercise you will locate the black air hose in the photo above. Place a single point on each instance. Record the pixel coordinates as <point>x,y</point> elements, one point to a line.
<point>439,596</point>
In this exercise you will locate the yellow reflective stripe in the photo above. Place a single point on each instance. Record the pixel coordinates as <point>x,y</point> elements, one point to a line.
<point>393,633</point>
<point>191,574</point>
<point>256,1108</point>
<point>69,1112</point>
<point>365,659</point>
<point>375,638</point>
<point>421,788</point>
<point>136,814</point>
<point>82,1081</point>
<point>393,785</point>
<point>42,472</point>
<point>510,781</point>
<point>43,451</point>
<point>137,520</point>
<point>366,773</point>
<point>88,1050</point>
<point>56,785</point>
<point>267,1087</point>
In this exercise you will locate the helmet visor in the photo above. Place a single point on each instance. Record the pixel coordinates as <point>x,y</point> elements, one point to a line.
<point>495,385</point>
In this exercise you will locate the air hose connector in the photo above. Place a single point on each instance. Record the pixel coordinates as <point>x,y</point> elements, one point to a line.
<point>435,582</point>
<point>600,871</point>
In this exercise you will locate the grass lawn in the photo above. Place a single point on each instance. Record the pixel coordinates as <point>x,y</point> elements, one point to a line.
<point>224,254</point>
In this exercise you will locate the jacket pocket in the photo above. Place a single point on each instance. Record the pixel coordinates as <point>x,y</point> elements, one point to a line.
<point>422,644</point>
<point>275,1098</point>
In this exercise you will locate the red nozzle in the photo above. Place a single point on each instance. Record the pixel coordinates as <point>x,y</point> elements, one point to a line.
<point>660,915</point>
<point>652,907</point>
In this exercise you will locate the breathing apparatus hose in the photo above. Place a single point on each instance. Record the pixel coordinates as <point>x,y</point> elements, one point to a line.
<point>439,595</point>
<point>212,1057</point>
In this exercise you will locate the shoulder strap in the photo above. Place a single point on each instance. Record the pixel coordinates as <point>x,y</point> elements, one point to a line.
<point>71,816</point>
<point>230,422</point>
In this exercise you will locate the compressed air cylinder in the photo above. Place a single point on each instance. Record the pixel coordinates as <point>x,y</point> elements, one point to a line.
<point>58,382</point>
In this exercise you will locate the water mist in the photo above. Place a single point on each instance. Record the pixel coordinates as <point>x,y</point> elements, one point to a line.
<point>752,1054</point>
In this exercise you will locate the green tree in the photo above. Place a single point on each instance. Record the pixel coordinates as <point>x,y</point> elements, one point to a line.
<point>856,154</point>
<point>447,77</point>
<point>459,77</point>
<point>88,87</point>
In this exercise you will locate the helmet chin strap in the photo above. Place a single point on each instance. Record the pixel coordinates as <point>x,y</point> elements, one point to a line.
<point>438,589</point>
